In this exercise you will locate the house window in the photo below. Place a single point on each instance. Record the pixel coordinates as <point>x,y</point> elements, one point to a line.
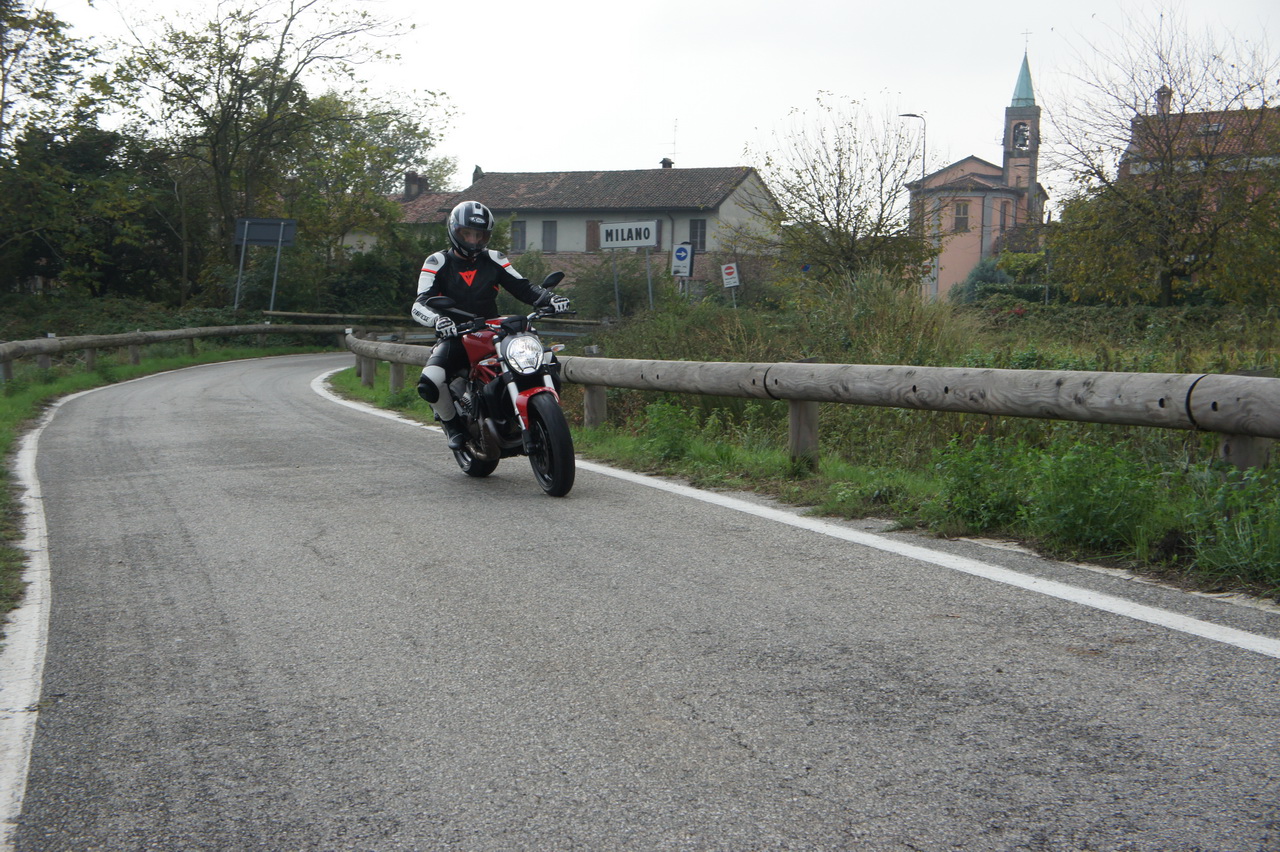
<point>1004,216</point>
<point>698,234</point>
<point>517,237</point>
<point>960,218</point>
<point>549,237</point>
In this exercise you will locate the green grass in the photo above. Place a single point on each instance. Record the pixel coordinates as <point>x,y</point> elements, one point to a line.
<point>32,389</point>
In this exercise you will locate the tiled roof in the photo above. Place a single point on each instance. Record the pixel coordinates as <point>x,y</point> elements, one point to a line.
<point>1196,134</point>
<point>647,189</point>
<point>427,208</point>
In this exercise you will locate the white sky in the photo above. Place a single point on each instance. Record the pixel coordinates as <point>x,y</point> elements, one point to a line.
<point>551,85</point>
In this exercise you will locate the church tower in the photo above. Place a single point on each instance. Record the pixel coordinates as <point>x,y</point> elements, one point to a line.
<point>1022,147</point>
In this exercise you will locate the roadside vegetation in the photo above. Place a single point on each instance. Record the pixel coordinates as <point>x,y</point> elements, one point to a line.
<point>1154,501</point>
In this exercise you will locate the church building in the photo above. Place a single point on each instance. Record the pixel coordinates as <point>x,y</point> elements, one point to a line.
<point>972,206</point>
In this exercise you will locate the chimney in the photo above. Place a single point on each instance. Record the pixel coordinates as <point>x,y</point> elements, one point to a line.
<point>667,163</point>
<point>1164,97</point>
<point>477,174</point>
<point>412,186</point>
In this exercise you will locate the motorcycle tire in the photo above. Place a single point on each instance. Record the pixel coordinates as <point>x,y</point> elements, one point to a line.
<point>473,466</point>
<point>551,446</point>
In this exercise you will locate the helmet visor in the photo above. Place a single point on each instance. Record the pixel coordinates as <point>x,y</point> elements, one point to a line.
<point>473,238</point>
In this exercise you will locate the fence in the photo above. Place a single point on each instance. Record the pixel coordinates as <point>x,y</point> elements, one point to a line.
<point>45,347</point>
<point>1245,410</point>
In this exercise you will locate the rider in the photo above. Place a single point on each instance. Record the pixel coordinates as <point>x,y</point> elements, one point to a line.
<point>470,274</point>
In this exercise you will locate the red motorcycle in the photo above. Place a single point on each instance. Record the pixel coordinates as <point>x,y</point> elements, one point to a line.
<point>509,400</point>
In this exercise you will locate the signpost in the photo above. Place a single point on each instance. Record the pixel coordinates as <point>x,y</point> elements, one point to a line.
<point>264,232</point>
<point>729,272</point>
<point>618,235</point>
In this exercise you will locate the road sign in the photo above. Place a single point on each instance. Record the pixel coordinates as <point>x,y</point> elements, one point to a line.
<point>266,232</point>
<point>682,261</point>
<point>729,272</point>
<point>629,234</point>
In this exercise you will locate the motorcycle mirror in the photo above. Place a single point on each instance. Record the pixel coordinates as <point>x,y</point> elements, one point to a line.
<point>552,280</point>
<point>440,303</point>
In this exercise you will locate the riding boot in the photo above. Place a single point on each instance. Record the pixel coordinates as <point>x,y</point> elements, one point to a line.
<point>455,432</point>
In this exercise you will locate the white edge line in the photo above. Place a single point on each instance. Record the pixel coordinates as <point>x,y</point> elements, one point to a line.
<point>26,633</point>
<point>27,625</point>
<point>1255,642</point>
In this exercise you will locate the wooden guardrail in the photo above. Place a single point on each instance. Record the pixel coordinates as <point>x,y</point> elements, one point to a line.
<point>1245,410</point>
<point>45,347</point>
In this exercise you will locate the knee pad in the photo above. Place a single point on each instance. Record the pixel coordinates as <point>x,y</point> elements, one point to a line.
<point>429,384</point>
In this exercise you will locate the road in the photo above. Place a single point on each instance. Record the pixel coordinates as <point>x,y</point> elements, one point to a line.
<point>280,623</point>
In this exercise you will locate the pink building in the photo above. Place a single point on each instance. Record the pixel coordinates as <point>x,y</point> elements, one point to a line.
<point>971,204</point>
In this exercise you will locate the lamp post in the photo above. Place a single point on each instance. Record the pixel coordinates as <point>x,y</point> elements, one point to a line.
<point>924,141</point>
<point>932,280</point>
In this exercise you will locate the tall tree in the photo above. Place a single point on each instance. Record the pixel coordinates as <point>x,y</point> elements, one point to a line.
<point>230,94</point>
<point>41,67</point>
<point>1172,148</point>
<point>838,200</point>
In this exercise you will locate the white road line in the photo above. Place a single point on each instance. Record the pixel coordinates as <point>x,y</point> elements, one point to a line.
<point>26,631</point>
<point>1096,600</point>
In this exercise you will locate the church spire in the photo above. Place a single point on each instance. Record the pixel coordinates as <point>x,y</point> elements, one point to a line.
<point>1023,94</point>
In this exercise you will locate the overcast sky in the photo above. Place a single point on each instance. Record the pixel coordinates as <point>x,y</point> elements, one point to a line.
<point>575,85</point>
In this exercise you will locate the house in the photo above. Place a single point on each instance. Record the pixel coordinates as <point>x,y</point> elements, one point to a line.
<point>971,206</point>
<point>1230,141</point>
<point>567,213</point>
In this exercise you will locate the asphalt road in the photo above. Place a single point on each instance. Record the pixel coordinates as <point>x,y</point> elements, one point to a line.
<point>279,623</point>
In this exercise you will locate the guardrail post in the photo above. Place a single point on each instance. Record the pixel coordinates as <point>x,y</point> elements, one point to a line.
<point>368,371</point>
<point>395,381</point>
<point>91,359</point>
<point>135,354</point>
<point>803,433</point>
<point>1246,451</point>
<point>44,362</point>
<point>6,371</point>
<point>802,430</point>
<point>595,404</point>
<point>190,343</point>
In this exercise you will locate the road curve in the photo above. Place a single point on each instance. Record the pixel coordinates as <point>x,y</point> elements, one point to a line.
<point>280,623</point>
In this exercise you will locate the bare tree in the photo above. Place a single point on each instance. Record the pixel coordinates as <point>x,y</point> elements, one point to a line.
<point>1172,147</point>
<point>837,197</point>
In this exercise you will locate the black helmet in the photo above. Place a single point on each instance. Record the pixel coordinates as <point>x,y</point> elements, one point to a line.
<point>475,216</point>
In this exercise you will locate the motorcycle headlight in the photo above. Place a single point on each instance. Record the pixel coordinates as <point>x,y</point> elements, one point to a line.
<point>524,353</point>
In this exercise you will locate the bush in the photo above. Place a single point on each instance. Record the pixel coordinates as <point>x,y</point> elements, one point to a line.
<point>982,487</point>
<point>1095,498</point>
<point>1237,527</point>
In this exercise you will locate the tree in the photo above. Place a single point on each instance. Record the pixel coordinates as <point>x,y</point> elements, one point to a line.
<point>87,209</point>
<point>838,199</point>
<point>41,68</point>
<point>1172,150</point>
<point>230,95</point>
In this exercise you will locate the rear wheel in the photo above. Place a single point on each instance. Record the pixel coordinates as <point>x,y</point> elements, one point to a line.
<point>473,466</point>
<point>550,445</point>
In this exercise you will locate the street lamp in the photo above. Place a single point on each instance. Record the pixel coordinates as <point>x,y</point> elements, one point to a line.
<point>932,278</point>
<point>924,141</point>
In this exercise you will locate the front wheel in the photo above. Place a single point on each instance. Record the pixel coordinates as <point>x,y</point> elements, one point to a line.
<point>550,445</point>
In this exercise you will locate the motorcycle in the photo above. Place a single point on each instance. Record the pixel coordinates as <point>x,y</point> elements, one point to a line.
<point>509,399</point>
